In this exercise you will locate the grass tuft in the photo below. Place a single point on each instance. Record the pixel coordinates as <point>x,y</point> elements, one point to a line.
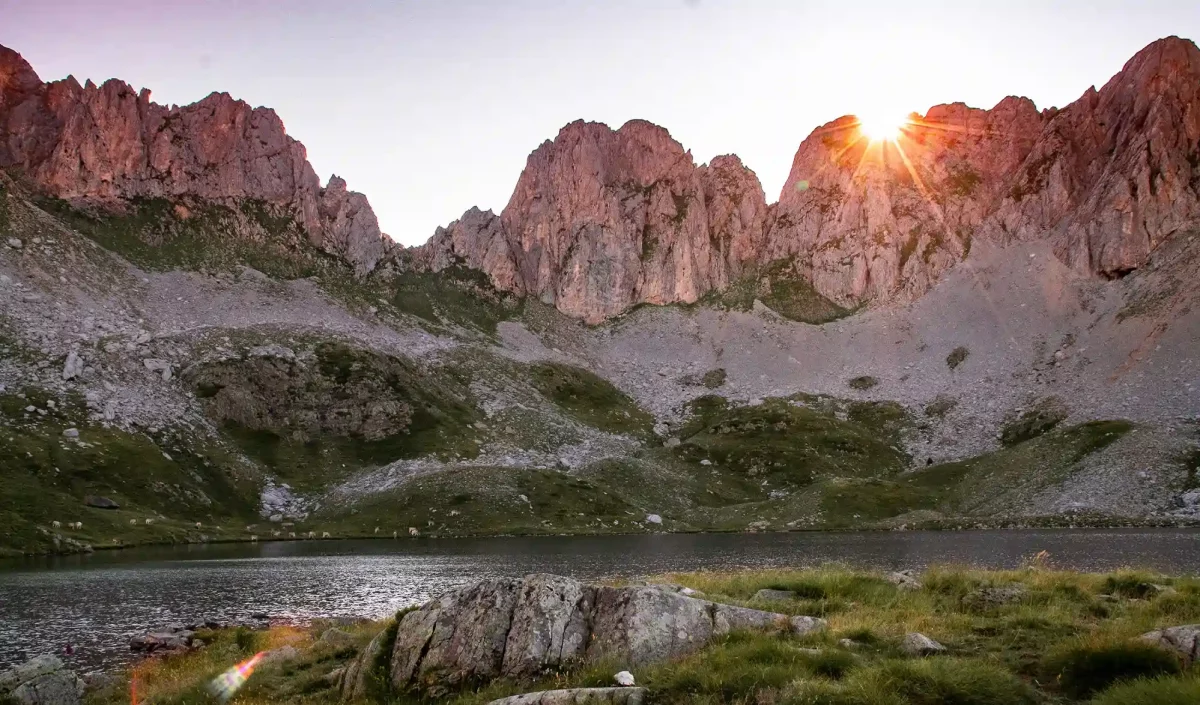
<point>1082,669</point>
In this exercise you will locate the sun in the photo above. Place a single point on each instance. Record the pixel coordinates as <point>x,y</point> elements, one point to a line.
<point>881,126</point>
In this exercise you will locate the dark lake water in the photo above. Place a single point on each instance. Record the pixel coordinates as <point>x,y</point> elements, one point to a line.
<point>98,602</point>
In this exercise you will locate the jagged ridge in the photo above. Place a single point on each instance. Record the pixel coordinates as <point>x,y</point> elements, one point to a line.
<point>602,220</point>
<point>105,145</point>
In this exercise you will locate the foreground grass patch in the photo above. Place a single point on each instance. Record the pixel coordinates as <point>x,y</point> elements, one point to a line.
<point>1051,647</point>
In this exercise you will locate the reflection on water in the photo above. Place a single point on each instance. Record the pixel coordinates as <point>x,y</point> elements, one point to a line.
<point>98,602</point>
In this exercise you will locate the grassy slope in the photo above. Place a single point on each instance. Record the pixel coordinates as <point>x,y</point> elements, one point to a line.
<point>781,290</point>
<point>591,399</point>
<point>804,461</point>
<point>173,480</point>
<point>1071,638</point>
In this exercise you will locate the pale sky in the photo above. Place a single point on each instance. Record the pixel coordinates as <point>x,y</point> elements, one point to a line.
<point>432,106</point>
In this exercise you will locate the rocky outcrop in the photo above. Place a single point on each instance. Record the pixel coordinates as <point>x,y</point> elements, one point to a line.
<point>1106,179</point>
<point>1183,640</point>
<point>603,219</point>
<point>477,240</point>
<point>107,144</point>
<point>1118,171</point>
<point>332,392</point>
<point>522,627</point>
<point>870,219</point>
<point>41,681</point>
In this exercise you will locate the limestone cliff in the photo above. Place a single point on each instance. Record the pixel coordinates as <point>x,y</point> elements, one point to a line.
<point>603,219</point>
<point>107,144</point>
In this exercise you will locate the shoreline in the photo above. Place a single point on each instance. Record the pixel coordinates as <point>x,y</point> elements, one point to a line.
<point>932,525</point>
<point>861,624</point>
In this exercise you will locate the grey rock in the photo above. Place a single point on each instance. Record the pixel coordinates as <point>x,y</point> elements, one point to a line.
<point>803,624</point>
<point>982,598</point>
<point>336,638</point>
<point>522,627</point>
<point>1183,640</point>
<point>653,519</point>
<point>356,679</point>
<point>43,680</point>
<point>578,696</point>
<point>917,644</point>
<point>70,433</point>
<point>15,243</point>
<point>624,679</point>
<point>903,579</point>
<point>100,502</point>
<point>73,366</point>
<point>276,351</point>
<point>771,595</point>
<point>170,640</point>
<point>284,654</point>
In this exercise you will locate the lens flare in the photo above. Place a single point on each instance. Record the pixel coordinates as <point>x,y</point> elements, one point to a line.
<point>225,685</point>
<point>881,126</point>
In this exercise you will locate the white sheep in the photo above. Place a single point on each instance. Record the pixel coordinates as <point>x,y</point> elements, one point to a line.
<point>312,534</point>
<point>253,537</point>
<point>291,534</point>
<point>56,524</point>
<point>377,529</point>
<point>412,531</point>
<point>77,525</point>
<point>324,534</point>
<point>149,522</point>
<point>395,534</point>
<point>132,522</point>
<point>275,533</point>
<point>199,525</point>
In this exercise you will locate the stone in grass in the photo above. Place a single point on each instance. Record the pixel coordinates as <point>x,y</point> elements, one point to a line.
<point>917,644</point>
<point>100,502</point>
<point>903,579</point>
<point>578,696</point>
<point>1183,640</point>
<point>773,595</point>
<point>986,597</point>
<point>624,679</point>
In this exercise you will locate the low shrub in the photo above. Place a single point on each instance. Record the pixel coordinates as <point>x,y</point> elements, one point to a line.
<point>1165,690</point>
<point>957,357</point>
<point>953,681</point>
<point>830,663</point>
<point>863,382</point>
<point>1082,669</point>
<point>940,406</point>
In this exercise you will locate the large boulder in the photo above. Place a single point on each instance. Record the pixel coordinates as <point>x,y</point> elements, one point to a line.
<point>43,680</point>
<point>1183,640</point>
<point>521,627</point>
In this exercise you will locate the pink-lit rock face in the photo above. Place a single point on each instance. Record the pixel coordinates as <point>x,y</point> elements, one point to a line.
<point>602,220</point>
<point>106,143</point>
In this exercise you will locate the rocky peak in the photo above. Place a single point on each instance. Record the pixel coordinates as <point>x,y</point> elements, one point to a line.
<point>603,219</point>
<point>867,220</point>
<point>1115,172</point>
<point>737,214</point>
<point>107,144</point>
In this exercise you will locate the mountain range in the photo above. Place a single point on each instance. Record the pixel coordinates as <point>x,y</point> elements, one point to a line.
<point>986,321</point>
